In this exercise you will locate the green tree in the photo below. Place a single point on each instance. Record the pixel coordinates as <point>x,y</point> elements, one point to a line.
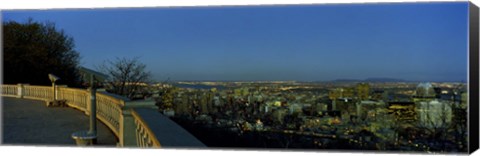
<point>32,50</point>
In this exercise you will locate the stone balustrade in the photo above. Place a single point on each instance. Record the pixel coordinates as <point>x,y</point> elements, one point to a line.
<point>145,136</point>
<point>116,112</point>
<point>76,98</point>
<point>10,90</point>
<point>36,92</point>
<point>109,111</point>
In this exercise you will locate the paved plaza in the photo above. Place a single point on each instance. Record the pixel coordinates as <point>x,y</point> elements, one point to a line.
<point>30,122</point>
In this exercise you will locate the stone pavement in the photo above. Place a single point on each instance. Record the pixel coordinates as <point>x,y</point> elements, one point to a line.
<point>30,122</point>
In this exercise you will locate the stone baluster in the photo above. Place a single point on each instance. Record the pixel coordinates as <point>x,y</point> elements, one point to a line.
<point>128,136</point>
<point>20,91</point>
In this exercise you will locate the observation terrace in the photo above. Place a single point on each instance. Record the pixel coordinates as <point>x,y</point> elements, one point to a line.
<point>123,123</point>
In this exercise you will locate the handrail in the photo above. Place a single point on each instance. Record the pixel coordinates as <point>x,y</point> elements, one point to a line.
<point>10,90</point>
<point>38,92</point>
<point>76,98</point>
<point>145,136</point>
<point>109,111</point>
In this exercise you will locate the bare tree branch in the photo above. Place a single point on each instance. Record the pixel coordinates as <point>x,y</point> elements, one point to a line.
<point>127,76</point>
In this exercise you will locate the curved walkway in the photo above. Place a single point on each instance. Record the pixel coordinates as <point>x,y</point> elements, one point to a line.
<point>30,122</point>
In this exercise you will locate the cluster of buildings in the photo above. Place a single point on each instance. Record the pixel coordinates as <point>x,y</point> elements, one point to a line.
<point>370,116</point>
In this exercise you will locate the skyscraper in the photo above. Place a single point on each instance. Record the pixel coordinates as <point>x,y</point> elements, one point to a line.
<point>363,91</point>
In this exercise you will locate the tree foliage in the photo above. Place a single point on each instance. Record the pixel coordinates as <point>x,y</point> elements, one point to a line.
<point>127,77</point>
<point>32,50</point>
<point>167,101</point>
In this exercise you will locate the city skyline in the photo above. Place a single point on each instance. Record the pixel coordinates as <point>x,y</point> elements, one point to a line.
<point>410,41</point>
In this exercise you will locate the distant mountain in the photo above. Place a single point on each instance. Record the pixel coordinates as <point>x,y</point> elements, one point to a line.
<point>347,80</point>
<point>370,80</point>
<point>384,80</point>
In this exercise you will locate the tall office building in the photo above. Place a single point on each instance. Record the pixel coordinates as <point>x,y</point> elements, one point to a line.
<point>363,91</point>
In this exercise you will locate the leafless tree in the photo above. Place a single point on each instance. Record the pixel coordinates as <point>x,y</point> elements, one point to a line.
<point>436,124</point>
<point>126,76</point>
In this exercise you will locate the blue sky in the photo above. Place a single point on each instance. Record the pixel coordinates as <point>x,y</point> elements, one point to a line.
<point>412,41</point>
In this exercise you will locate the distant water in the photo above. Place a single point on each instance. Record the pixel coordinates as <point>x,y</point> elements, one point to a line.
<point>199,86</point>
